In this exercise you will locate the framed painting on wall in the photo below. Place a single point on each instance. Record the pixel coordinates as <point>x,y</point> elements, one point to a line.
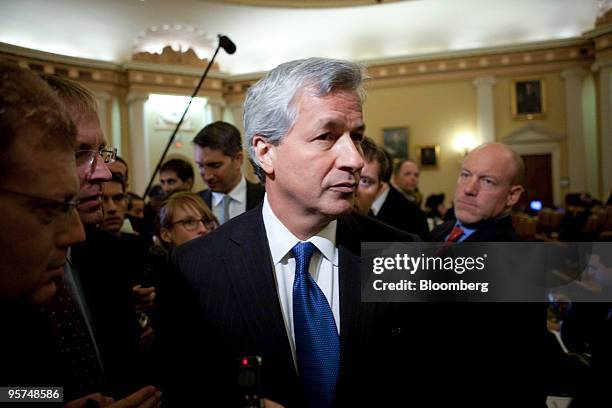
<point>428,156</point>
<point>528,98</point>
<point>396,142</point>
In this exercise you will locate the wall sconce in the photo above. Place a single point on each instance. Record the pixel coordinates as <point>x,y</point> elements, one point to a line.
<point>464,142</point>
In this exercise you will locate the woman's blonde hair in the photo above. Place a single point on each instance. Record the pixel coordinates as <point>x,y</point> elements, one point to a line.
<point>183,199</point>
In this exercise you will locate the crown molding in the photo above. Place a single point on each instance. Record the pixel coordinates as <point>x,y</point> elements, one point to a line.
<point>56,58</point>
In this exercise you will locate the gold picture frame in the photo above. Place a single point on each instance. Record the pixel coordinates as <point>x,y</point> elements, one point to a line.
<point>528,98</point>
<point>395,141</point>
<point>428,156</point>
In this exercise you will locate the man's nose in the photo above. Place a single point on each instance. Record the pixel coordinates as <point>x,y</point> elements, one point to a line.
<point>350,157</point>
<point>101,172</point>
<point>471,186</point>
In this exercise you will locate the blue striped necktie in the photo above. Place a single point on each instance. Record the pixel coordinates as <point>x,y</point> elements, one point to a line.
<point>317,342</point>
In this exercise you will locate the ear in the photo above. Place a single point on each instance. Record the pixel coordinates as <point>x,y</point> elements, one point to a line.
<point>165,235</point>
<point>189,184</point>
<point>265,153</point>
<point>239,158</point>
<point>514,195</point>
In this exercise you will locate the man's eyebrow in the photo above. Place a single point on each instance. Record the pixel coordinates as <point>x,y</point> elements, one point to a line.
<point>337,123</point>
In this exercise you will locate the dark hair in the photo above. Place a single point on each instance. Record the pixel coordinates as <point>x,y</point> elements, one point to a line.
<point>372,152</point>
<point>182,168</point>
<point>120,160</point>
<point>26,102</point>
<point>220,136</point>
<point>117,178</point>
<point>131,197</point>
<point>386,177</point>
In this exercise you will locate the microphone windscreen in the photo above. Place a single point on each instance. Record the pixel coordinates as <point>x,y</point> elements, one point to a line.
<point>227,44</point>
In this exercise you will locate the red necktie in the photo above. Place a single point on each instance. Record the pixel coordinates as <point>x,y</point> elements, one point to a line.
<point>73,340</point>
<point>455,234</point>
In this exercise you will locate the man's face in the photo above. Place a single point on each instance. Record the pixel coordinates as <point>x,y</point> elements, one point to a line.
<point>369,187</point>
<point>484,189</point>
<point>35,232</point>
<point>220,172</point>
<point>115,206</point>
<point>137,208</point>
<point>407,179</point>
<point>314,172</point>
<point>171,182</point>
<point>91,175</point>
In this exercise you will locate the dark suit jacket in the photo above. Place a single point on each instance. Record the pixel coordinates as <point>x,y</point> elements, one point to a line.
<point>402,214</point>
<point>105,267</point>
<point>229,277</point>
<point>255,194</point>
<point>502,343</point>
<point>28,351</point>
<point>497,230</point>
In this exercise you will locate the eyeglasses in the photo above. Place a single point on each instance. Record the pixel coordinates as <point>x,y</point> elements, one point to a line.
<point>49,208</point>
<point>191,224</point>
<point>90,157</point>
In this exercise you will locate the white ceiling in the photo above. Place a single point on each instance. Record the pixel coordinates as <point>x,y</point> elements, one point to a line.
<point>107,29</point>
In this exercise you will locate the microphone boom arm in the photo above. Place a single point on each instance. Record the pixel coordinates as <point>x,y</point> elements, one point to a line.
<point>180,122</point>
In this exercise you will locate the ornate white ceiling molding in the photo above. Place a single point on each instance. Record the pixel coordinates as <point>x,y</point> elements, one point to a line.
<point>306,3</point>
<point>179,37</point>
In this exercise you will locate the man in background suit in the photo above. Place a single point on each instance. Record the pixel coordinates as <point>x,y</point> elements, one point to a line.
<point>219,157</point>
<point>100,291</point>
<point>489,185</point>
<point>494,339</point>
<point>406,179</point>
<point>376,197</point>
<point>248,278</point>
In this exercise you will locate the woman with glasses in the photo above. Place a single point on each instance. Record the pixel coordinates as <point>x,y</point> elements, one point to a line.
<point>183,217</point>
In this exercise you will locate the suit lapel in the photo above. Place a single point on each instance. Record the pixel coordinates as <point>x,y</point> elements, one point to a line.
<point>207,196</point>
<point>249,268</point>
<point>351,322</point>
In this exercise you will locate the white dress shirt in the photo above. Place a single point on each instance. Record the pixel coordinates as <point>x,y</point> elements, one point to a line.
<point>323,266</point>
<point>379,201</point>
<point>237,204</point>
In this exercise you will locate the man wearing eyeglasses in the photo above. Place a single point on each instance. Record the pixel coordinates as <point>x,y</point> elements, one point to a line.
<point>38,187</point>
<point>101,291</point>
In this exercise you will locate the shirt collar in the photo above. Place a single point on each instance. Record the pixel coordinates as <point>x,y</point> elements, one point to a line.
<point>281,240</point>
<point>379,201</point>
<point>238,193</point>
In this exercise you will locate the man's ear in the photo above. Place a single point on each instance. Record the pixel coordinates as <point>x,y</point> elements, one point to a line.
<point>514,195</point>
<point>189,184</point>
<point>264,153</point>
<point>165,235</point>
<point>239,157</point>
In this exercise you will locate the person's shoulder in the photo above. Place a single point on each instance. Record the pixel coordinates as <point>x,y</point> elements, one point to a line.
<point>440,231</point>
<point>239,229</point>
<point>204,194</point>
<point>496,230</point>
<point>368,229</point>
<point>401,199</point>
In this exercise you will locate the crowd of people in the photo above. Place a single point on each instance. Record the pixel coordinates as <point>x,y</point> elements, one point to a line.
<point>119,298</point>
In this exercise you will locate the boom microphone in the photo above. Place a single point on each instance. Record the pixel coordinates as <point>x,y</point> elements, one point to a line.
<point>230,48</point>
<point>227,44</point>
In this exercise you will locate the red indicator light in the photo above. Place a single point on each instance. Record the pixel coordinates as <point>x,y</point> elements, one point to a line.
<point>245,361</point>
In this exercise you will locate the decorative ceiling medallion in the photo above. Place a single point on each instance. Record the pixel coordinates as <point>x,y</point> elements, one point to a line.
<point>306,3</point>
<point>180,44</point>
<point>604,15</point>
